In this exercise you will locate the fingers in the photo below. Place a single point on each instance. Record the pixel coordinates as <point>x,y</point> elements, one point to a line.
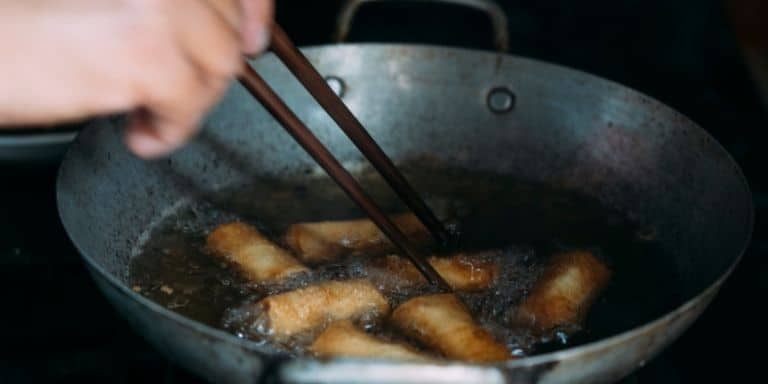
<point>170,119</point>
<point>195,51</point>
<point>206,37</point>
<point>257,19</point>
<point>251,18</point>
<point>190,55</point>
<point>230,10</point>
<point>142,136</point>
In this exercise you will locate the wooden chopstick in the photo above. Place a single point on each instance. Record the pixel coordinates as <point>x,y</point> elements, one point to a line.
<point>259,88</point>
<point>306,73</point>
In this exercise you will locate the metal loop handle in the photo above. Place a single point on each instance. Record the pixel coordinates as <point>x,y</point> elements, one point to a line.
<point>496,15</point>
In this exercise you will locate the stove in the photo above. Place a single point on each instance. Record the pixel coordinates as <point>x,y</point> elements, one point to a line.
<point>56,327</point>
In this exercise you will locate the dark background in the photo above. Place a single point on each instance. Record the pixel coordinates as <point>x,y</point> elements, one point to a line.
<point>56,327</point>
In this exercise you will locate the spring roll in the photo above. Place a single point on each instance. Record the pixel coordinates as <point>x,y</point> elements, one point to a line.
<point>564,294</point>
<point>344,339</point>
<point>304,309</point>
<point>443,323</point>
<point>462,271</point>
<point>329,240</point>
<point>257,258</point>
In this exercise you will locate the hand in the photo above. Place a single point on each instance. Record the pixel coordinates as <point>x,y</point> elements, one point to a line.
<point>166,61</point>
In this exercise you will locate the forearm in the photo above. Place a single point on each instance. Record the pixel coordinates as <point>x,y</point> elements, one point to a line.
<point>51,54</point>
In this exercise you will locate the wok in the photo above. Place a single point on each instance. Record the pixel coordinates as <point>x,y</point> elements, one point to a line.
<point>479,111</point>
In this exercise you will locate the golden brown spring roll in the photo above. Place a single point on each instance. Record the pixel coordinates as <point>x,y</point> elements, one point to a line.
<point>344,339</point>
<point>307,308</point>
<point>443,323</point>
<point>330,240</point>
<point>563,295</point>
<point>462,271</point>
<point>253,254</point>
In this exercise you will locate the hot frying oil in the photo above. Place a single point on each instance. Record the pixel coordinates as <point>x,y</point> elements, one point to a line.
<point>525,222</point>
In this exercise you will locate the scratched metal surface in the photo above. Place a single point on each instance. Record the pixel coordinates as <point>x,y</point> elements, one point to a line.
<point>566,128</point>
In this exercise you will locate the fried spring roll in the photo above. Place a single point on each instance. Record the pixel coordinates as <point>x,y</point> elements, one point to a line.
<point>443,323</point>
<point>253,254</point>
<point>307,308</point>
<point>330,240</point>
<point>344,339</point>
<point>563,295</point>
<point>462,271</point>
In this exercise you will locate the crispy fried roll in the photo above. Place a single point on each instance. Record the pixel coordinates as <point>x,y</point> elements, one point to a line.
<point>564,293</point>
<point>306,308</point>
<point>344,339</point>
<point>329,240</point>
<point>443,323</point>
<point>253,254</point>
<point>462,271</point>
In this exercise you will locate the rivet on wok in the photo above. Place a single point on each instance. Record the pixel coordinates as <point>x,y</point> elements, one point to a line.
<point>336,84</point>
<point>500,100</point>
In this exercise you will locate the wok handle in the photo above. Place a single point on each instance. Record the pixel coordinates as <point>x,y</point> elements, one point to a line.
<point>495,13</point>
<point>342,371</point>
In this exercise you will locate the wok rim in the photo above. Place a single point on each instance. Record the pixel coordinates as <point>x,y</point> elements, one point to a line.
<point>528,361</point>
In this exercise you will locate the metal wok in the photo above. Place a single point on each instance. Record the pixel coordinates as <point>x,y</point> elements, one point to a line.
<point>473,110</point>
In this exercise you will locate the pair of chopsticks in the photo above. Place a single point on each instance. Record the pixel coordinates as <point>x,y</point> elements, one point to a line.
<point>298,64</point>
